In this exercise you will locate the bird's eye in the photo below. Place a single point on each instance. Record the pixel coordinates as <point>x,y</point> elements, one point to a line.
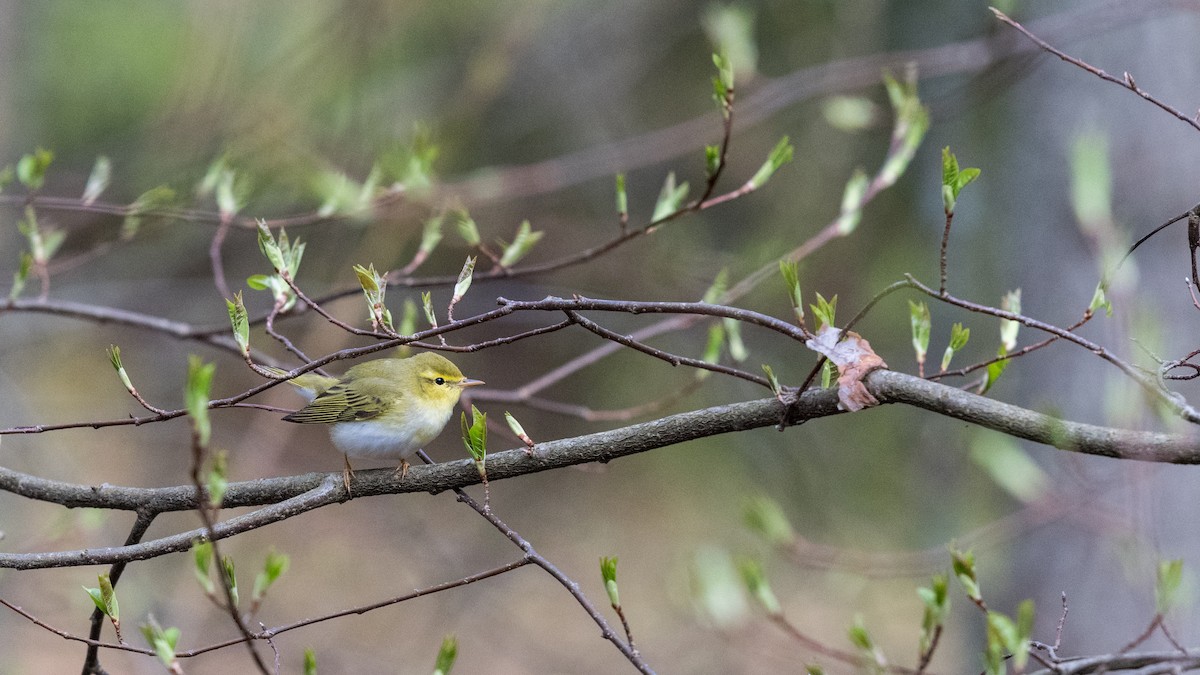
<point>440,381</point>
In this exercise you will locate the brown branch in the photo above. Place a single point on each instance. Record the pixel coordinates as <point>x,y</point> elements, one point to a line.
<point>290,496</point>
<point>1126,83</point>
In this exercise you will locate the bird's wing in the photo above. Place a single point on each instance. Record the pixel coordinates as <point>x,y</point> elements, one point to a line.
<point>339,404</point>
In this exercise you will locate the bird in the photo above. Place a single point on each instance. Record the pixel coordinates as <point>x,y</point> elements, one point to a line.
<point>385,408</point>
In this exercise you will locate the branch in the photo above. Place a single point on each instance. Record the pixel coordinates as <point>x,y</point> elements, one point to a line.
<point>294,495</point>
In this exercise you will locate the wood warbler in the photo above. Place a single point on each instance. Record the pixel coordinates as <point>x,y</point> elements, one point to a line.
<point>384,409</point>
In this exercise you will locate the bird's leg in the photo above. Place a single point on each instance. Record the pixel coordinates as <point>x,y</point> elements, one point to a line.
<point>347,474</point>
<point>402,470</point>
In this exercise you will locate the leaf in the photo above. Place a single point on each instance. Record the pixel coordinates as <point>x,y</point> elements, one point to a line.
<point>718,288</point>
<point>765,516</point>
<point>712,160</point>
<point>921,327</point>
<point>1166,587</point>
<point>464,279</point>
<point>447,653</point>
<point>521,245</point>
<point>467,229</point>
<point>202,556</point>
<point>431,233</point>
<point>475,435</point>
<point>1100,300</point>
<point>791,277</point>
<point>963,564</point>
<point>270,248</point>
<point>958,340</point>
<point>622,197</point>
<point>608,572</point>
<point>853,198</point>
<point>1009,466</point>
<point>274,567</point>
<point>781,154</point>
<point>98,180</point>
<point>825,311</point>
<point>1011,302</point>
<point>196,393</point>
<point>31,168</point>
<point>21,275</point>
<point>240,322</point>
<point>670,198</point>
<point>756,583</point>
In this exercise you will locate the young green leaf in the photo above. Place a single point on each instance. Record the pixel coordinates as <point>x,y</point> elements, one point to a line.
<point>954,180</point>
<point>765,516</point>
<point>228,203</point>
<point>230,578</point>
<point>908,130</point>
<point>270,248</point>
<point>447,653</point>
<point>464,279</point>
<point>519,431</point>
<point>852,202</point>
<point>114,357</point>
<point>1100,300</point>
<point>202,557</point>
<point>467,229</point>
<point>791,277</point>
<point>217,481</point>
<point>274,567</point>
<point>1166,588</point>
<point>431,234</point>
<point>105,598</point>
<point>310,662</point>
<point>781,154</point>
<point>475,435</point>
<point>98,180</point>
<point>828,374</point>
<point>608,572</point>
<point>521,245</point>
<point>1011,302</point>
<point>774,381</point>
<point>713,348</point>
<point>921,328</point>
<point>994,371</point>
<point>199,382</point>
<point>737,348</point>
<point>825,311</point>
<point>756,583</point>
<point>936,599</point>
<point>1009,466</point>
<point>374,286</point>
<point>670,198</point>
<point>1091,181</point>
<point>730,28</point>
<point>958,340</point>
<point>622,197</point>
<point>963,564</point>
<point>712,160</point>
<point>240,322</point>
<point>21,275</point>
<point>718,288</point>
<point>31,168</point>
<point>163,641</point>
<point>427,305</point>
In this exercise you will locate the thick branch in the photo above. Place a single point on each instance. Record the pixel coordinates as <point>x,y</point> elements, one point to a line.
<point>297,494</point>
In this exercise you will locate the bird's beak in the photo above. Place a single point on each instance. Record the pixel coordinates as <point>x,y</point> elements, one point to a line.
<point>470,383</point>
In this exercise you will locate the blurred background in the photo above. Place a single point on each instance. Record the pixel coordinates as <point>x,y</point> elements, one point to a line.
<point>533,106</point>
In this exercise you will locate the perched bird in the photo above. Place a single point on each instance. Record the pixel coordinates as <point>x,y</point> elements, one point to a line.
<point>384,409</point>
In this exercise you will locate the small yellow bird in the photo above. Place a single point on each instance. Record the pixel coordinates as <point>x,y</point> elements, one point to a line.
<point>383,409</point>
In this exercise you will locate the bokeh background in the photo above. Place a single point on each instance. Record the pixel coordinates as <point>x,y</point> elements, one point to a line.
<point>534,106</point>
